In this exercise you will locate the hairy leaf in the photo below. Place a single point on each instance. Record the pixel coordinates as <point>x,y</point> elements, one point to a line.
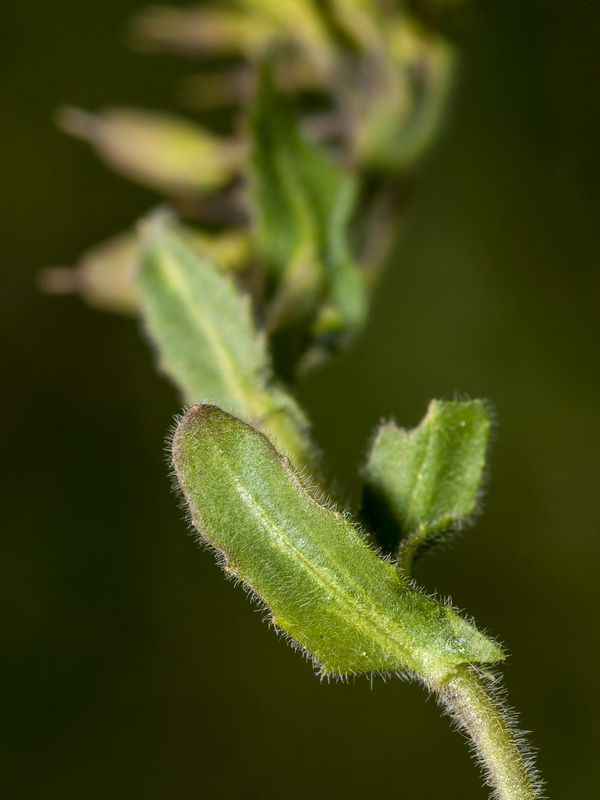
<point>202,327</point>
<point>421,482</point>
<point>308,563</point>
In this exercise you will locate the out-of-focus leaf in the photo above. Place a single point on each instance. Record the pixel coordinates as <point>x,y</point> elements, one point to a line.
<point>406,110</point>
<point>303,203</point>
<point>161,151</point>
<point>207,343</point>
<point>422,482</point>
<point>324,587</point>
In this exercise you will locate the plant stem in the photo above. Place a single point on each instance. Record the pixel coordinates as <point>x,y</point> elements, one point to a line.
<point>470,702</point>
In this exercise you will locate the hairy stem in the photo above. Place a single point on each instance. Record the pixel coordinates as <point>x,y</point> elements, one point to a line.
<point>470,702</point>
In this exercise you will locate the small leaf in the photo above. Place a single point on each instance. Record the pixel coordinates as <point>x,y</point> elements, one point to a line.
<point>420,483</point>
<point>324,586</point>
<point>303,203</point>
<point>202,327</point>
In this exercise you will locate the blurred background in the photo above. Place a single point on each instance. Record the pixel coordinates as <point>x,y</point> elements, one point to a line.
<point>131,669</point>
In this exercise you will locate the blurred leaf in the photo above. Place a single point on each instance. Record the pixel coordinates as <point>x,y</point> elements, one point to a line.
<point>303,204</point>
<point>307,563</point>
<point>408,105</point>
<point>420,483</point>
<point>207,343</point>
<point>161,151</point>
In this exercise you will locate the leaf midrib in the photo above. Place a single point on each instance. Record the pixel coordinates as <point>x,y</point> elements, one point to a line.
<point>174,277</point>
<point>360,615</point>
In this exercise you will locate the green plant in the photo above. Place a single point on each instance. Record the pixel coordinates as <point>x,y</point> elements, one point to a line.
<point>288,223</point>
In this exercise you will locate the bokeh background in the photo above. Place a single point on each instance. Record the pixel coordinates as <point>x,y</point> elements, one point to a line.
<point>131,669</point>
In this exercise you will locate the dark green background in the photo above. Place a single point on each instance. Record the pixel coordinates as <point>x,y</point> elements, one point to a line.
<point>131,669</point>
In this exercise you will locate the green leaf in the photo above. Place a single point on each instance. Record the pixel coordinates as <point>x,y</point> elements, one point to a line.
<point>420,483</point>
<point>202,327</point>
<point>202,323</point>
<point>303,203</point>
<point>308,563</point>
<point>408,109</point>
